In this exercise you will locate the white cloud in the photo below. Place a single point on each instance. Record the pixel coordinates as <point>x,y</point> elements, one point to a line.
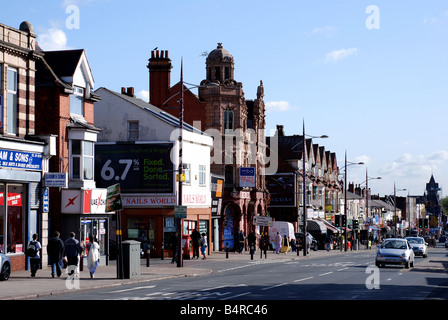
<point>337,55</point>
<point>277,106</point>
<point>326,31</point>
<point>413,171</point>
<point>52,39</point>
<point>144,95</point>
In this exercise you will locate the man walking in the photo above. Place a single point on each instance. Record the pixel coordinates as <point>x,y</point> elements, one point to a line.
<point>195,239</point>
<point>72,250</point>
<point>55,250</point>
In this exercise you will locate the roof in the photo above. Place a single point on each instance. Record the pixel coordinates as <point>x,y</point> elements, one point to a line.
<point>65,62</point>
<point>220,54</point>
<point>159,113</point>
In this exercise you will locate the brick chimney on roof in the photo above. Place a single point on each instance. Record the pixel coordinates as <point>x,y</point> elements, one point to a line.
<point>159,77</point>
<point>129,91</point>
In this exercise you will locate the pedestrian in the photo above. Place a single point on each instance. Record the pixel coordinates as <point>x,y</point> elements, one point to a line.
<point>195,239</point>
<point>293,244</point>
<point>285,245</point>
<point>93,255</point>
<point>203,245</point>
<point>72,250</point>
<point>241,241</point>
<point>55,250</point>
<point>34,248</point>
<point>278,243</point>
<point>328,241</point>
<point>308,242</point>
<point>173,241</point>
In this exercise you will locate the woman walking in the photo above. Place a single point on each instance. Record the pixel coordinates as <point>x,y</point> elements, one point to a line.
<point>93,255</point>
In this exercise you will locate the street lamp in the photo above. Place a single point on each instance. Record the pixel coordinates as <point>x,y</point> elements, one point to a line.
<point>345,196</point>
<point>180,169</point>
<point>304,184</point>
<point>395,208</point>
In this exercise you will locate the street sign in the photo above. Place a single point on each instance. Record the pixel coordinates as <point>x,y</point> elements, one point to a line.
<point>180,212</point>
<point>113,201</point>
<point>263,221</point>
<point>56,179</point>
<point>46,202</point>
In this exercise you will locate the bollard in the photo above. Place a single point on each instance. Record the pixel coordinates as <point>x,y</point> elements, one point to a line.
<point>162,252</point>
<point>251,252</point>
<point>148,252</point>
<point>227,250</point>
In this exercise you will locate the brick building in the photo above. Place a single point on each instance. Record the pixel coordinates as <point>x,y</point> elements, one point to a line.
<point>23,155</point>
<point>64,84</point>
<point>221,110</point>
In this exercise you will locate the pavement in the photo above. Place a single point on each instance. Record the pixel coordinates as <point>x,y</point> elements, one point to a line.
<point>22,286</point>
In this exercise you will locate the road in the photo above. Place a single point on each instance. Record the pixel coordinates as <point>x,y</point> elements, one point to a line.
<point>335,277</point>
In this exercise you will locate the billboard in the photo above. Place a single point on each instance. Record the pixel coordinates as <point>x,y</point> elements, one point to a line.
<point>282,189</point>
<point>247,177</point>
<point>136,167</point>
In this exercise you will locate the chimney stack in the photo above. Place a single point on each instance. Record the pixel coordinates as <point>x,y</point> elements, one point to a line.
<point>159,77</point>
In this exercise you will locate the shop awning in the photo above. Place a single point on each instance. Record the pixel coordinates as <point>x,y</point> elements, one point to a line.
<point>329,226</point>
<point>316,225</point>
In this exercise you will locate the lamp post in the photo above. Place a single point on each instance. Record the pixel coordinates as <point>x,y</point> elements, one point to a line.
<point>304,185</point>
<point>395,209</point>
<point>345,197</point>
<point>180,168</point>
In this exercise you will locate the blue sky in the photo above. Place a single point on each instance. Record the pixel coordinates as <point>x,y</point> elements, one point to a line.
<point>380,94</point>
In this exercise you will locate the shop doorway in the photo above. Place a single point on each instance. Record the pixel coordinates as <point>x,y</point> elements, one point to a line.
<point>99,228</point>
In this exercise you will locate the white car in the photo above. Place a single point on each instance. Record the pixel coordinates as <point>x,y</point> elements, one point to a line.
<point>419,246</point>
<point>5,267</point>
<point>395,251</point>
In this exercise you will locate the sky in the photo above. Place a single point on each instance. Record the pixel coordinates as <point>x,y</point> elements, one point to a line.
<point>372,75</point>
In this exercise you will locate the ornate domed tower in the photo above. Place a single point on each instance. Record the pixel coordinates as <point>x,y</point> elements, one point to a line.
<point>236,125</point>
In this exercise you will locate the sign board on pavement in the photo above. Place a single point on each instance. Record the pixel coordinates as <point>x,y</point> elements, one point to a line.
<point>263,221</point>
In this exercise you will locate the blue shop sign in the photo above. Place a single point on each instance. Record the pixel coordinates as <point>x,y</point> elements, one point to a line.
<point>20,160</point>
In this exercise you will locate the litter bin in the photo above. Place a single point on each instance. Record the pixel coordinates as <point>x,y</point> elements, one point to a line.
<point>131,259</point>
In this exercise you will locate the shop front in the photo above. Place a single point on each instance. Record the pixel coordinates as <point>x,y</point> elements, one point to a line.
<point>20,194</point>
<point>150,220</point>
<point>84,212</point>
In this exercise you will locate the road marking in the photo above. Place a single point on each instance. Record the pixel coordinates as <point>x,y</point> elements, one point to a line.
<point>277,285</point>
<point>342,269</point>
<point>238,295</point>
<point>326,273</point>
<point>132,289</point>
<point>303,279</point>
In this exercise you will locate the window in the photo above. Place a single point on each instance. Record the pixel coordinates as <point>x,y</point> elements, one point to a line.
<point>82,155</point>
<point>12,101</point>
<point>133,131</point>
<point>218,73</point>
<point>12,218</point>
<point>77,101</point>
<point>228,119</point>
<point>229,174</point>
<point>187,172</point>
<point>202,175</point>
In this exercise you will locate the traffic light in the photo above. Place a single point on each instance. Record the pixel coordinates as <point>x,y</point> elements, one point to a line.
<point>337,220</point>
<point>355,224</point>
<point>420,223</point>
<point>343,221</point>
<point>426,223</point>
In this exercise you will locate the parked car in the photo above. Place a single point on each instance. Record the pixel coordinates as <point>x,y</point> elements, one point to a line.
<point>419,246</point>
<point>5,267</point>
<point>395,251</point>
<point>312,241</point>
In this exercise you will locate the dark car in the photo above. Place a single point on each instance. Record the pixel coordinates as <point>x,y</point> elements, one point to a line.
<point>313,242</point>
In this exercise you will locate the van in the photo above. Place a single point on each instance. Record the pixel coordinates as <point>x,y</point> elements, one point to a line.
<point>283,228</point>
